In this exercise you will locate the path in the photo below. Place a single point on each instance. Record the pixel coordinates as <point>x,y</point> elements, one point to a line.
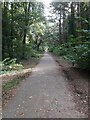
<point>44,94</point>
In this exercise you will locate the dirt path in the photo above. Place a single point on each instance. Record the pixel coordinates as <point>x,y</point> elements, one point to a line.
<point>44,94</point>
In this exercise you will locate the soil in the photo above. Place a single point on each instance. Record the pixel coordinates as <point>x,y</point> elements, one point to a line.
<point>46,93</point>
<point>78,80</point>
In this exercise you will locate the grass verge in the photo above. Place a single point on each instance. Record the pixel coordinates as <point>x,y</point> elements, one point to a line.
<point>10,84</point>
<point>31,62</point>
<point>9,87</point>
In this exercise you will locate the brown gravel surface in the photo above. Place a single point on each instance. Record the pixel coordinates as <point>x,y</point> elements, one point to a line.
<point>44,94</point>
<point>78,81</point>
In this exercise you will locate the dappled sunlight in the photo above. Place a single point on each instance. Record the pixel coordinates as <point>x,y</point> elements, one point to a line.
<point>38,37</point>
<point>46,65</point>
<point>35,69</point>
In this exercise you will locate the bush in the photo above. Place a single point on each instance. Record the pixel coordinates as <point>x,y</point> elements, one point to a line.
<point>76,53</point>
<point>51,48</point>
<point>80,55</point>
<point>30,52</point>
<point>60,50</point>
<point>9,65</point>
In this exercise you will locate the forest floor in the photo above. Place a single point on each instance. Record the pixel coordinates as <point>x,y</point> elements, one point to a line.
<point>46,93</point>
<point>28,65</point>
<point>78,83</point>
<point>12,79</point>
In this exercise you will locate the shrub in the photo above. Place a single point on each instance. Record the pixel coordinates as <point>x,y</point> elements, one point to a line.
<point>80,55</point>
<point>8,65</point>
<point>77,53</point>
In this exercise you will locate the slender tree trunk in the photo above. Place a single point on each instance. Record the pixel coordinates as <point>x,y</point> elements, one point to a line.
<point>60,33</point>
<point>11,41</point>
<point>63,26</point>
<point>72,20</point>
<point>38,45</point>
<point>79,22</point>
<point>88,16</point>
<point>24,44</point>
<point>26,11</point>
<point>4,15</point>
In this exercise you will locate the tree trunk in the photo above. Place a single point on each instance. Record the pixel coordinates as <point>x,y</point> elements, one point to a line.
<point>79,15</point>
<point>26,11</point>
<point>11,39</point>
<point>63,26</point>
<point>38,45</point>
<point>72,21</point>
<point>24,44</point>
<point>60,33</point>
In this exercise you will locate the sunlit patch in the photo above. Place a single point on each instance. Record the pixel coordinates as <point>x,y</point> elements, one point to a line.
<point>30,97</point>
<point>35,69</point>
<point>47,101</point>
<point>46,2</point>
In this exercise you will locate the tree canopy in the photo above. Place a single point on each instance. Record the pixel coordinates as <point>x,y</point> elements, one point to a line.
<point>25,28</point>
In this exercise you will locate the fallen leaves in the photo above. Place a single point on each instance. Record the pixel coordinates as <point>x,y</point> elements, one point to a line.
<point>30,97</point>
<point>19,113</point>
<point>19,105</point>
<point>40,109</point>
<point>59,111</point>
<point>36,110</point>
<point>23,102</point>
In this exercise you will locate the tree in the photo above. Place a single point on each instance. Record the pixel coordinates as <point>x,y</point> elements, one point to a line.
<point>17,20</point>
<point>71,24</point>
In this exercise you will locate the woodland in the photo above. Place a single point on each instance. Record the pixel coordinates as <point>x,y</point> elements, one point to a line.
<point>26,31</point>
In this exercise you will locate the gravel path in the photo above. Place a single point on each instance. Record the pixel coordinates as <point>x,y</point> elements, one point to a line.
<point>44,94</point>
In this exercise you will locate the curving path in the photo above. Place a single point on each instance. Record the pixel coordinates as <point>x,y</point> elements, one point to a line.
<point>44,94</point>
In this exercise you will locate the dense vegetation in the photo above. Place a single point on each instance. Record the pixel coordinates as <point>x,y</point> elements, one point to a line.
<point>70,36</point>
<point>25,32</point>
<point>22,29</point>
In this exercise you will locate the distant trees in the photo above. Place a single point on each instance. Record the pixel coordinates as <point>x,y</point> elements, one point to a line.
<point>25,29</point>
<point>73,19</point>
<point>73,33</point>
<point>18,21</point>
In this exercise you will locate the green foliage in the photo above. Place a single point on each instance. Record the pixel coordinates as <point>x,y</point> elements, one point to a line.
<point>75,33</point>
<point>9,65</point>
<point>78,54</point>
<point>24,32</point>
<point>83,55</point>
<point>23,26</point>
<point>32,53</point>
<point>60,51</point>
<point>10,84</point>
<point>51,48</point>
